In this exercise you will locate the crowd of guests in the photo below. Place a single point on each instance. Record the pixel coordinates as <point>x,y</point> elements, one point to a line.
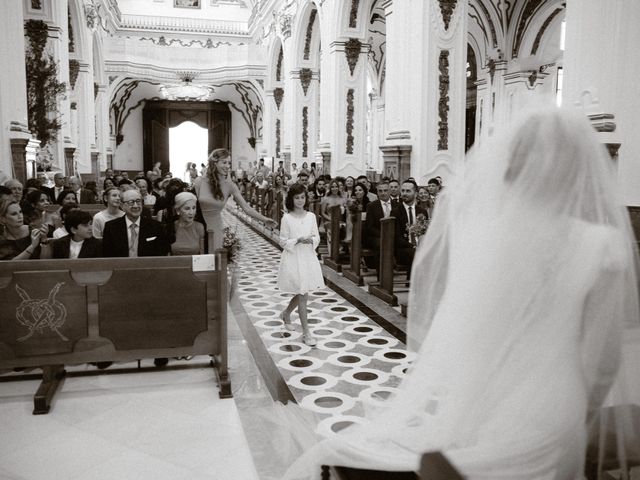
<point>155,214</point>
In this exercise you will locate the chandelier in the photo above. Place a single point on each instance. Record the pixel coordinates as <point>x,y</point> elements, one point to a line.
<point>187,90</point>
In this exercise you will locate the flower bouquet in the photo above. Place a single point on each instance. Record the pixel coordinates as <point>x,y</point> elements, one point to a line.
<point>419,228</point>
<point>231,243</point>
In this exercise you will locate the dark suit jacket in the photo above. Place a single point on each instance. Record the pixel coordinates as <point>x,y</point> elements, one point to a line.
<point>375,213</point>
<point>91,248</point>
<point>402,236</point>
<point>152,240</point>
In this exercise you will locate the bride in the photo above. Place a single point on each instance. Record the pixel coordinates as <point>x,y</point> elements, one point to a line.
<point>520,293</point>
<point>213,191</point>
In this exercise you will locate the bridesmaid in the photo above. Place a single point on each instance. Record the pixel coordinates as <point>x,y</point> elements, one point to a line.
<point>300,271</point>
<point>213,191</point>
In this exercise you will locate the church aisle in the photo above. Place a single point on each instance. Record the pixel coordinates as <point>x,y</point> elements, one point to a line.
<point>355,364</point>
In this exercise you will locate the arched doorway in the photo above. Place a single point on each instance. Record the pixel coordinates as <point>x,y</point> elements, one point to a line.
<point>188,142</point>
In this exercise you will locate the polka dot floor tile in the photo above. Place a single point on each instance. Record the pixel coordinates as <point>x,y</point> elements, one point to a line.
<point>356,363</point>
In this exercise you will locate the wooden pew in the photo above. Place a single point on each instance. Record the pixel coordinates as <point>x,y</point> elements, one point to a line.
<point>353,273</point>
<point>384,288</point>
<point>92,208</point>
<point>57,312</point>
<point>335,260</point>
<point>434,466</point>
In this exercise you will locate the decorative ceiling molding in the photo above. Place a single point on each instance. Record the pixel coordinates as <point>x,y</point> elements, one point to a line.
<point>545,25</point>
<point>446,9</point>
<point>163,42</point>
<point>183,25</point>
<point>528,12</point>
<point>284,23</point>
<point>481,19</point>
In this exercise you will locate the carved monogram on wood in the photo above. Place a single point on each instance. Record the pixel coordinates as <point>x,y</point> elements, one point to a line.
<point>39,314</point>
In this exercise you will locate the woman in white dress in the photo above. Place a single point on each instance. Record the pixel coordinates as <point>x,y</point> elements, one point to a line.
<point>520,295</point>
<point>300,271</point>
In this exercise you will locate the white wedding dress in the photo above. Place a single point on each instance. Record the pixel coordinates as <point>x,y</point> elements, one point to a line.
<point>518,304</point>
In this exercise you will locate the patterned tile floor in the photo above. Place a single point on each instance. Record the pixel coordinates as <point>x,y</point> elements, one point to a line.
<point>355,364</point>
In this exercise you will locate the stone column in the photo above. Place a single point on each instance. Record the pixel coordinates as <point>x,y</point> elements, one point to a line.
<point>601,69</point>
<point>304,91</point>
<point>397,161</point>
<point>69,160</point>
<point>426,82</point>
<point>13,96</point>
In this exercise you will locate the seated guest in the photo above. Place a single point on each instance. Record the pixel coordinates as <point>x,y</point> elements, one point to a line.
<point>111,199</point>
<point>67,197</point>
<point>332,199</point>
<point>108,183</point>
<point>133,235</point>
<point>145,190</point>
<point>61,231</point>
<point>164,205</point>
<point>83,195</point>
<point>18,241</point>
<point>394,191</point>
<point>360,199</point>
<point>406,214</point>
<point>58,186</point>
<point>188,237</point>
<point>376,211</point>
<point>79,243</point>
<point>34,210</point>
<point>424,200</point>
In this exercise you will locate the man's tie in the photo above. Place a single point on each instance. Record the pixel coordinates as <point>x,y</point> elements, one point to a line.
<point>386,209</point>
<point>133,244</point>
<point>413,237</point>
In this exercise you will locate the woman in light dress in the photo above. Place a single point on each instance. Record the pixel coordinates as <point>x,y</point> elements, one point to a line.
<point>300,271</point>
<point>111,199</point>
<point>520,295</point>
<point>213,191</point>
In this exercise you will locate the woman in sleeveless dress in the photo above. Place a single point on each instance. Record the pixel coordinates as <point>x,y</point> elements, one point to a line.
<point>213,191</point>
<point>521,292</point>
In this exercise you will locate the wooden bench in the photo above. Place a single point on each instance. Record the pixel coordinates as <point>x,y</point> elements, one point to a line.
<point>383,289</point>
<point>57,312</point>
<point>92,208</point>
<point>434,466</point>
<point>335,260</point>
<point>353,272</point>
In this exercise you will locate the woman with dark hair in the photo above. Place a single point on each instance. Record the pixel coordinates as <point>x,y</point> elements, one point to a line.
<point>300,271</point>
<point>34,209</point>
<point>108,183</point>
<point>67,197</point>
<point>214,190</point>
<point>360,200</point>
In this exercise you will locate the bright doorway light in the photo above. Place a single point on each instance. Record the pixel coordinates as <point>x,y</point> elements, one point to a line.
<point>187,143</point>
<point>563,32</point>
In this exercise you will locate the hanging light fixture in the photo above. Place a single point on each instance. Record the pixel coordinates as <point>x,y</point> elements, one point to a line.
<point>187,90</point>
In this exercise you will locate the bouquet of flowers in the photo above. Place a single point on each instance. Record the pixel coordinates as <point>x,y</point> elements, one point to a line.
<point>232,243</point>
<point>419,227</point>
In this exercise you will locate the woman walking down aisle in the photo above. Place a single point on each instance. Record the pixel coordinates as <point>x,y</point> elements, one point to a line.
<point>518,328</point>
<point>214,190</point>
<point>300,271</point>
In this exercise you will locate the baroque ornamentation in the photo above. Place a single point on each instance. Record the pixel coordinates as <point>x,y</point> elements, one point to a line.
<point>163,42</point>
<point>278,94</point>
<point>307,41</point>
<point>350,115</point>
<point>74,69</point>
<point>284,23</point>
<point>278,137</point>
<point>305,79</point>
<point>473,13</point>
<point>36,4</point>
<point>527,13</point>
<point>443,101</point>
<point>305,131</point>
<point>260,82</point>
<point>352,51</point>
<point>446,8</point>
<point>353,14</point>
<point>544,27</point>
<point>279,65</point>
<point>91,14</point>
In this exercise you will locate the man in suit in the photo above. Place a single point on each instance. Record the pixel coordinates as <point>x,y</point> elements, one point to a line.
<point>79,243</point>
<point>83,195</point>
<point>394,191</point>
<point>406,214</point>
<point>376,211</point>
<point>58,187</point>
<point>133,235</point>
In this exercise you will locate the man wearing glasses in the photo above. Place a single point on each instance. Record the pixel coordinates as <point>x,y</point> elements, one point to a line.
<point>133,235</point>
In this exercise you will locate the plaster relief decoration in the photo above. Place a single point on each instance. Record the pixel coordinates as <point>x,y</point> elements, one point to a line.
<point>278,137</point>
<point>74,69</point>
<point>239,3</point>
<point>284,23</point>
<point>305,79</point>
<point>278,94</point>
<point>36,4</point>
<point>353,14</point>
<point>91,14</point>
<point>527,14</point>
<point>350,114</point>
<point>119,108</point>
<point>352,51</point>
<point>307,41</point>
<point>279,65</point>
<point>250,110</point>
<point>446,8</point>
<point>187,3</point>
<point>163,42</point>
<point>305,131</point>
<point>443,101</point>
